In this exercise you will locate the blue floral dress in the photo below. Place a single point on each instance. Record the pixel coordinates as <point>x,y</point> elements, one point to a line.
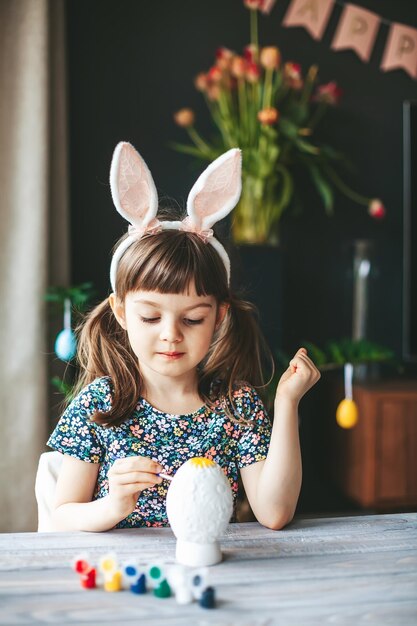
<point>169,439</point>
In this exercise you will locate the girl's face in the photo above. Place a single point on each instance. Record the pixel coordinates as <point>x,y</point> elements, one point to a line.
<point>169,333</point>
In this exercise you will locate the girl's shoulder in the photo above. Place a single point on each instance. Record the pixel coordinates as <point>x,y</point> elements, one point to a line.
<point>96,396</point>
<point>246,402</point>
<point>246,395</point>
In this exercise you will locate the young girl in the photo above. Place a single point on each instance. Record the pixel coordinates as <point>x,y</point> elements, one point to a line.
<point>167,365</point>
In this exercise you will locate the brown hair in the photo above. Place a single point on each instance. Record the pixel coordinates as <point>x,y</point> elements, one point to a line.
<point>169,262</point>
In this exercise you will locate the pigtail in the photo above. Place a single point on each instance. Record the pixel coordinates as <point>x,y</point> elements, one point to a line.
<point>239,352</point>
<point>246,344</point>
<point>104,350</point>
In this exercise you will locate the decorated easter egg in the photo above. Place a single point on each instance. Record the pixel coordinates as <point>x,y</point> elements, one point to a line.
<point>347,413</point>
<point>66,345</point>
<point>199,507</point>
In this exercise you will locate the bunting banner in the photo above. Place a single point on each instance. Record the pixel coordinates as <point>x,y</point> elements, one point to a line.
<point>357,30</point>
<point>401,50</point>
<point>312,14</point>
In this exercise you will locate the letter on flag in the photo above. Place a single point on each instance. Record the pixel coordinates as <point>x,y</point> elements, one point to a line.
<point>357,29</point>
<point>312,14</point>
<point>401,50</point>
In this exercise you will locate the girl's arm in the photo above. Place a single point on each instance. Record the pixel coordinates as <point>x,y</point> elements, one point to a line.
<point>273,486</point>
<point>74,507</point>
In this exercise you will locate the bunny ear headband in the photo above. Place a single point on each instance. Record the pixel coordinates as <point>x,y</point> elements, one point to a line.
<point>134,194</point>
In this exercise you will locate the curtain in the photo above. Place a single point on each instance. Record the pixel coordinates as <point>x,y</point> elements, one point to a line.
<point>33,237</point>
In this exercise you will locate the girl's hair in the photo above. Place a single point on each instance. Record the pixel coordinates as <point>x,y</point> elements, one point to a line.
<point>169,262</point>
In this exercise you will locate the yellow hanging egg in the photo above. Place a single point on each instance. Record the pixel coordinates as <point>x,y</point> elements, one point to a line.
<point>347,413</point>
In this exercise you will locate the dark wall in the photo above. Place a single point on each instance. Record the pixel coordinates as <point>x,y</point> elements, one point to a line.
<point>131,65</point>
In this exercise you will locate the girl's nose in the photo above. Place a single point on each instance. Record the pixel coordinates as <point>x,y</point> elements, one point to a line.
<point>171,332</point>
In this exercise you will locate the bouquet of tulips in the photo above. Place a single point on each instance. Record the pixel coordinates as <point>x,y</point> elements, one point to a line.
<point>270,110</point>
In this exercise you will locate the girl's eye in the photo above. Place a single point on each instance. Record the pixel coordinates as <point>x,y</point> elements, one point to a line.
<point>154,320</point>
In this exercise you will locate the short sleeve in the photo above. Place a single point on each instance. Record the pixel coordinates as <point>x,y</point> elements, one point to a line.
<point>75,434</point>
<point>253,443</point>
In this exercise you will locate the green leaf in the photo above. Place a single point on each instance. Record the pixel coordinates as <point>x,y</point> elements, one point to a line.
<point>353,351</point>
<point>305,146</point>
<point>335,352</point>
<point>330,153</point>
<point>323,187</point>
<point>287,187</point>
<point>288,128</point>
<point>79,295</point>
<point>63,387</point>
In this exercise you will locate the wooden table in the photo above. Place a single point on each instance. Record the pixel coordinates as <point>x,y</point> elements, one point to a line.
<point>342,570</point>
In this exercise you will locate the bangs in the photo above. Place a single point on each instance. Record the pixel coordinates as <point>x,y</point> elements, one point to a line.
<point>170,262</point>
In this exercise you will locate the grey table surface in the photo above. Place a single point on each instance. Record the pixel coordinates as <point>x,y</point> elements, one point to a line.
<point>341,570</point>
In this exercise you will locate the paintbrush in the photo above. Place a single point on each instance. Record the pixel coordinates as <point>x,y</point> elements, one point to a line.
<point>165,476</point>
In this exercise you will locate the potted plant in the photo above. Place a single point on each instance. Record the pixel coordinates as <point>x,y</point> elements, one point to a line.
<point>269,109</point>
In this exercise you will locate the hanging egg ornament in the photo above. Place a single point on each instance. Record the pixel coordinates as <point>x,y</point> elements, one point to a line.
<point>65,342</point>
<point>347,411</point>
<point>65,345</point>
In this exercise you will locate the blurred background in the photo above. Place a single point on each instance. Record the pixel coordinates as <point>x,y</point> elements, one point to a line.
<point>79,76</point>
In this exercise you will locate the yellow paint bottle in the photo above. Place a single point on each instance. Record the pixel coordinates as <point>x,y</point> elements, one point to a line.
<point>114,582</point>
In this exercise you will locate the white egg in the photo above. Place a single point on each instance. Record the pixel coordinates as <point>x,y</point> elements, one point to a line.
<point>199,507</point>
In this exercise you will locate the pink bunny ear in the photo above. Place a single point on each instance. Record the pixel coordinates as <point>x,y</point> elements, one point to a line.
<point>132,188</point>
<point>216,191</point>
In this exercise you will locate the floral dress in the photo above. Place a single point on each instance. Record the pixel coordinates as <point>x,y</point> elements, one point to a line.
<point>168,439</point>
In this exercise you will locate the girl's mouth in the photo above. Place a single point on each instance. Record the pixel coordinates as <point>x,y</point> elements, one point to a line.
<point>172,355</point>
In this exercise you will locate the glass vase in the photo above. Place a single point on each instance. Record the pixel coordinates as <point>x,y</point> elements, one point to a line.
<point>255,217</point>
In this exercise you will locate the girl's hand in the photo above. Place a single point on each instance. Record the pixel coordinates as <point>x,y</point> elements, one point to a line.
<point>300,376</point>
<point>128,477</point>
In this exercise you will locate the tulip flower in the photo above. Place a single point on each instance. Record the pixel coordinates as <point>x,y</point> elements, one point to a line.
<point>268,116</point>
<point>254,5</point>
<point>249,53</point>
<point>265,6</point>
<point>224,58</point>
<point>292,75</point>
<point>329,93</point>
<point>215,74</point>
<point>252,72</point>
<point>270,58</point>
<point>376,209</point>
<point>238,67</point>
<point>184,118</point>
<point>201,82</point>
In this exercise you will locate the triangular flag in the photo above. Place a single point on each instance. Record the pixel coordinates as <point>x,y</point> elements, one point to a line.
<point>401,50</point>
<point>312,14</point>
<point>357,29</point>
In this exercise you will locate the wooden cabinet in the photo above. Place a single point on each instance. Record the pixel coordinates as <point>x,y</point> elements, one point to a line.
<point>376,461</point>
